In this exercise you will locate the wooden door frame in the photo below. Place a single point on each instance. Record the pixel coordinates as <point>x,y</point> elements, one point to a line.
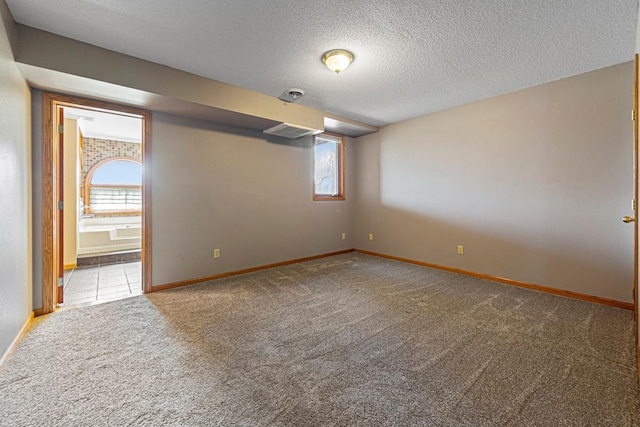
<point>635,211</point>
<point>50,177</point>
<point>59,188</point>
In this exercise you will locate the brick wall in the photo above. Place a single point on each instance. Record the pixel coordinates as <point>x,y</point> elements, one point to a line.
<point>96,150</point>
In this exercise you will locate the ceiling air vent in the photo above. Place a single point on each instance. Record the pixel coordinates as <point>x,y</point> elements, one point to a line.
<point>286,130</point>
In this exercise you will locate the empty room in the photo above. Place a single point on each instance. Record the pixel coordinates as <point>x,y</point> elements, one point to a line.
<point>342,213</point>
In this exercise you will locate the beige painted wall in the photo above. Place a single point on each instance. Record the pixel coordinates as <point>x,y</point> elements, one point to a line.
<point>15,173</point>
<point>534,185</point>
<point>70,191</point>
<point>36,194</point>
<point>222,187</point>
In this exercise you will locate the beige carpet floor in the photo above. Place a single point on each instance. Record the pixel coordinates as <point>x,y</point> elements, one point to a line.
<point>347,340</point>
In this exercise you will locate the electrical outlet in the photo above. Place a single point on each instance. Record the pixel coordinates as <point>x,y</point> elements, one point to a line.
<point>460,250</point>
<point>370,236</point>
<point>344,236</point>
<point>216,253</point>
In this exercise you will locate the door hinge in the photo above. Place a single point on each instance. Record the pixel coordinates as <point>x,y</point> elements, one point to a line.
<point>60,129</point>
<point>60,282</point>
<point>60,205</point>
<point>634,115</point>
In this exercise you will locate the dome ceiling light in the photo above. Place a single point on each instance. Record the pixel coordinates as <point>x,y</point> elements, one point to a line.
<point>337,60</point>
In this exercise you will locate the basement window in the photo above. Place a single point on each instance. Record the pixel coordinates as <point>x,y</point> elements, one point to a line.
<point>328,167</point>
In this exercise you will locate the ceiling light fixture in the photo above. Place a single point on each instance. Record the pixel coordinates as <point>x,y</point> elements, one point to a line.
<point>337,60</point>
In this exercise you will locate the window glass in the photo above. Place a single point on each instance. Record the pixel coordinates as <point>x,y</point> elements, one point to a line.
<point>115,199</point>
<point>122,172</point>
<point>116,186</point>
<point>328,164</point>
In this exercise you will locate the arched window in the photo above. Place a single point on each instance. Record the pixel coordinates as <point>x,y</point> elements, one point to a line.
<point>114,186</point>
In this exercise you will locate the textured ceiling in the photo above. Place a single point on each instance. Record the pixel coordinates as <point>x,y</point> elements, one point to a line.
<point>411,57</point>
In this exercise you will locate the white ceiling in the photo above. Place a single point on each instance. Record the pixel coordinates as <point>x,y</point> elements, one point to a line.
<point>411,57</point>
<point>96,124</point>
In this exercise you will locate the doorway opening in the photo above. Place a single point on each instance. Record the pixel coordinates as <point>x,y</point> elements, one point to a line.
<point>102,241</point>
<point>96,201</point>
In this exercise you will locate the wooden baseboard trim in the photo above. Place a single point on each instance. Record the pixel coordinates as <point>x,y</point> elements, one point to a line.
<point>14,344</point>
<point>244,271</point>
<point>39,312</point>
<point>554,291</point>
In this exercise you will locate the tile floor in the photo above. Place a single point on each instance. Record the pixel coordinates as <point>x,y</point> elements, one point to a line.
<point>102,283</point>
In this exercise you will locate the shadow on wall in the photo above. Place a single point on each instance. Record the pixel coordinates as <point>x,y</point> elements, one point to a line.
<point>304,142</point>
<point>533,183</point>
<point>237,192</point>
<point>434,240</point>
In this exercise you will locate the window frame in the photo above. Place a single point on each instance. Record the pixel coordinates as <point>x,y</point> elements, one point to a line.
<point>87,188</point>
<point>341,163</point>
